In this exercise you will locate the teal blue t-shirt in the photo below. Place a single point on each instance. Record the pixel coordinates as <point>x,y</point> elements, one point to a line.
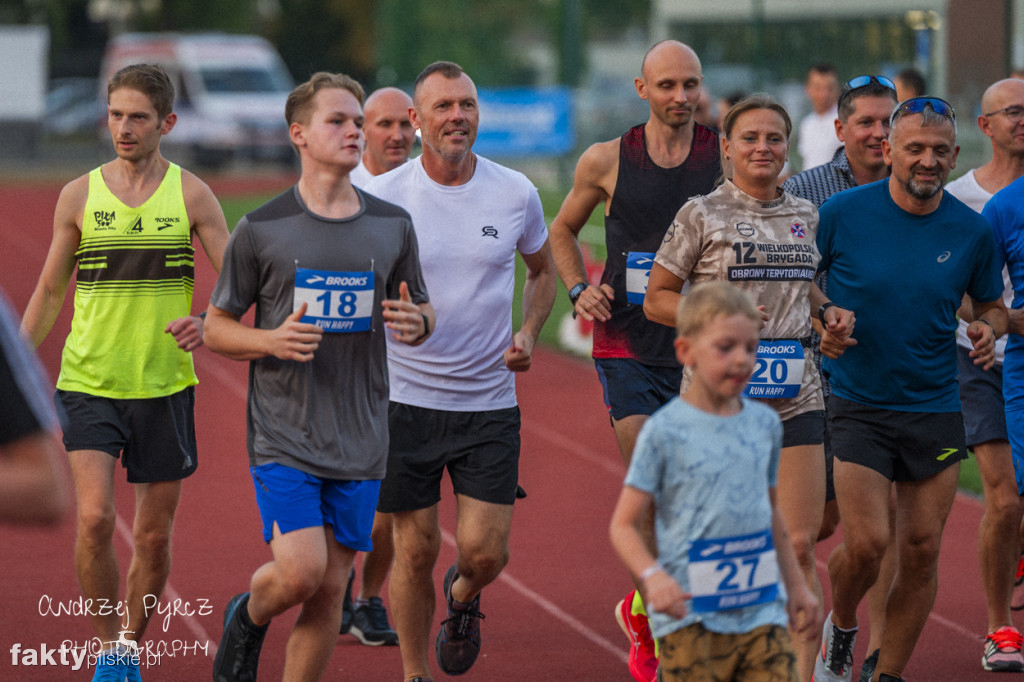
<point>710,478</point>
<point>904,276</point>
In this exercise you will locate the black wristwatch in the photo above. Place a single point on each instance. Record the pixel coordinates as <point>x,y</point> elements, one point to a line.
<point>577,291</point>
<point>822,309</point>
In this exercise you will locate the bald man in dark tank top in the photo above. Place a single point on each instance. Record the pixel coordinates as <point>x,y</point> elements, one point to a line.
<point>642,178</point>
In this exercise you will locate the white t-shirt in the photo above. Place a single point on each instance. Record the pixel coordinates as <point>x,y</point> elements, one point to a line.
<point>360,176</point>
<point>817,141</point>
<point>468,237</point>
<point>966,189</point>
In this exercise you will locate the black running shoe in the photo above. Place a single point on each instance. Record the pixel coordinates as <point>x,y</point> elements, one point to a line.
<point>458,642</point>
<point>867,670</point>
<point>370,624</point>
<point>346,606</point>
<point>239,652</point>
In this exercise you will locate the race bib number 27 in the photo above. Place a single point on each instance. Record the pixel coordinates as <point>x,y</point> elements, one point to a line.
<point>336,301</point>
<point>733,572</point>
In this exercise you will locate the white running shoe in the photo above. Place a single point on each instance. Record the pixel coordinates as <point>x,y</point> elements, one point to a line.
<point>835,663</point>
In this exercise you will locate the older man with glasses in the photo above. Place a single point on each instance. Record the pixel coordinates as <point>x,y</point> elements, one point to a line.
<point>901,253</point>
<point>999,537</point>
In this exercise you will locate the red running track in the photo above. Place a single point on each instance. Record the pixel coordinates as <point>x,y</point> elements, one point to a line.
<point>549,616</point>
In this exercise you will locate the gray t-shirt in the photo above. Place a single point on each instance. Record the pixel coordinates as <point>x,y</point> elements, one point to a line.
<point>327,417</point>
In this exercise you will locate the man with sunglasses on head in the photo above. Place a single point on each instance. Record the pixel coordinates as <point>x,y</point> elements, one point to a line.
<point>901,253</point>
<point>865,105</point>
<point>982,392</point>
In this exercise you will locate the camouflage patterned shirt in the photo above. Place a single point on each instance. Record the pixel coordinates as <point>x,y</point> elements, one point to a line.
<point>766,248</point>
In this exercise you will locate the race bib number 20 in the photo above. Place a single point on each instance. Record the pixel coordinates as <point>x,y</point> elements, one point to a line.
<point>779,370</point>
<point>336,301</point>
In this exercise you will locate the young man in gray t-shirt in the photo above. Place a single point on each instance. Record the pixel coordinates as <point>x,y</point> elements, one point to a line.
<point>330,270</point>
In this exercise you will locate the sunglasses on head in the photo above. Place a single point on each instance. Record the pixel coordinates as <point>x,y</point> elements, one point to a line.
<point>858,82</point>
<point>917,105</point>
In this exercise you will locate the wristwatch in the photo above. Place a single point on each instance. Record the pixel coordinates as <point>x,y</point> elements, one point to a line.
<point>822,309</point>
<point>576,291</point>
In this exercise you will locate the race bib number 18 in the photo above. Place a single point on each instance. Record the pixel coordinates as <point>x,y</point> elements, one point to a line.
<point>337,301</point>
<point>730,573</point>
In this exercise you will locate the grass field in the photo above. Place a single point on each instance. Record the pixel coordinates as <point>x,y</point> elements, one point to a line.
<point>592,235</point>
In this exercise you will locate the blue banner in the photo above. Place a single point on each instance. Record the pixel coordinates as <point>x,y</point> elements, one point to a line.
<point>525,122</point>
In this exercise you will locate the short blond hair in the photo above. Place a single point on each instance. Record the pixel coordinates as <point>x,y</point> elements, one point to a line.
<point>708,300</point>
<point>300,100</point>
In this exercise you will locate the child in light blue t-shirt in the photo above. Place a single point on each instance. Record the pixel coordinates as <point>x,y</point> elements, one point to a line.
<point>707,462</point>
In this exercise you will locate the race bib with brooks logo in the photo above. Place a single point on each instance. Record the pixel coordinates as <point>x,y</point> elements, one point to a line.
<point>638,271</point>
<point>733,572</point>
<point>338,302</point>
<point>779,370</point>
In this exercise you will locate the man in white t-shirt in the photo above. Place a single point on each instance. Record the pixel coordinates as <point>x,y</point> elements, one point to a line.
<point>999,538</point>
<point>816,136</point>
<point>388,135</point>
<point>453,402</point>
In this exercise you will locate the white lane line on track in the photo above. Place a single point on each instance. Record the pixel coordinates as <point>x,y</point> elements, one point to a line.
<point>171,594</point>
<point>239,389</point>
<point>615,649</point>
<point>207,367</point>
<point>822,565</point>
<point>615,467</point>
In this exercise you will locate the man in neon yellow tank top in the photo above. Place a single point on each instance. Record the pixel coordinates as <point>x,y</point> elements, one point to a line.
<point>126,385</point>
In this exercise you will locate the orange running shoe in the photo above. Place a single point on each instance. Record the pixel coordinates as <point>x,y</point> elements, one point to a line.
<point>643,663</point>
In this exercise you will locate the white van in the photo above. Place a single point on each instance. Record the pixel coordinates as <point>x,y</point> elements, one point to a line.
<point>230,93</point>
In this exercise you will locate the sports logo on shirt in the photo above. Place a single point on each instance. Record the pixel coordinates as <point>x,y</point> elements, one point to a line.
<point>136,227</point>
<point>745,229</point>
<point>490,231</point>
<point>104,219</point>
<point>944,256</point>
<point>798,230</point>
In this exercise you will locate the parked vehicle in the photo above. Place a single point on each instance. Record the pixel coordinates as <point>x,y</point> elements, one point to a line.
<point>73,108</point>
<point>231,91</point>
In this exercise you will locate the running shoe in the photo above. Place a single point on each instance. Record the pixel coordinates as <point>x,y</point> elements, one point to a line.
<point>238,655</point>
<point>346,606</point>
<point>1002,651</point>
<point>835,664</point>
<point>108,668</point>
<point>1017,598</point>
<point>370,624</point>
<point>868,669</point>
<point>131,670</point>
<point>643,662</point>
<point>458,642</point>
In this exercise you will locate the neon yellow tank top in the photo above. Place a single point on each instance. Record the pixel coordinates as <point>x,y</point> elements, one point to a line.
<point>136,270</point>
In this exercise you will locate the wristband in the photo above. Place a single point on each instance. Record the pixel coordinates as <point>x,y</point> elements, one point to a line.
<point>821,311</point>
<point>202,315</point>
<point>984,321</point>
<point>650,570</point>
<point>426,326</point>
